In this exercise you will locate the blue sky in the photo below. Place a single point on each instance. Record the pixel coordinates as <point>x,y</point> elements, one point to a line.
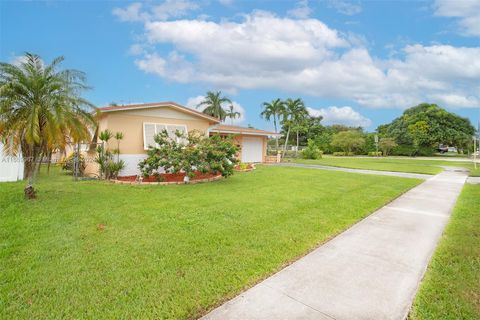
<point>353,62</point>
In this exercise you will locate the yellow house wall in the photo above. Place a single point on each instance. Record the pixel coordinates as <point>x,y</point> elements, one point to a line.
<point>132,128</point>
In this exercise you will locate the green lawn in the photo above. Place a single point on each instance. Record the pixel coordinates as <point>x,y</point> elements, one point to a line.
<point>167,251</point>
<point>451,287</point>
<point>392,164</point>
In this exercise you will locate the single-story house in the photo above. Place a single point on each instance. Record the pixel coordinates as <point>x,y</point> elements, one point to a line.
<point>140,122</point>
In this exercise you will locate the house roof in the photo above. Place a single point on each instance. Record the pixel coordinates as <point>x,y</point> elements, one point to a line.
<point>156,105</point>
<point>223,128</point>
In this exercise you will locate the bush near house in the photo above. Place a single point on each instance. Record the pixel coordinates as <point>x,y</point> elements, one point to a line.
<point>190,153</point>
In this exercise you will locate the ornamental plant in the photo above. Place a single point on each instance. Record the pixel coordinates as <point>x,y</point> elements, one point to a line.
<point>312,151</point>
<point>108,168</point>
<point>190,153</point>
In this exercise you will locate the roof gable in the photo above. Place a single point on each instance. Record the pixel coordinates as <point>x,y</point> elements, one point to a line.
<point>160,105</point>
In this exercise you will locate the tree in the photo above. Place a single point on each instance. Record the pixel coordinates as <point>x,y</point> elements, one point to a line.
<point>232,114</point>
<point>300,124</point>
<point>273,110</point>
<point>348,141</point>
<point>427,126</point>
<point>386,145</point>
<point>418,132</point>
<point>294,111</point>
<point>213,104</point>
<point>41,110</point>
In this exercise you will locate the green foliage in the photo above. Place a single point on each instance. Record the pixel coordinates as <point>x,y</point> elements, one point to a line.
<point>105,135</point>
<point>428,125</point>
<point>411,151</point>
<point>386,145</point>
<point>68,164</point>
<point>348,141</point>
<point>192,152</point>
<point>375,154</point>
<point>232,114</point>
<point>108,167</point>
<point>41,109</point>
<point>213,104</point>
<point>312,151</point>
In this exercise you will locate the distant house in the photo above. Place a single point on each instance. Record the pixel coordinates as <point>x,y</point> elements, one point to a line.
<point>140,122</point>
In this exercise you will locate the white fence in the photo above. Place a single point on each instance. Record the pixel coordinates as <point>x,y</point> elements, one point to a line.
<point>11,168</point>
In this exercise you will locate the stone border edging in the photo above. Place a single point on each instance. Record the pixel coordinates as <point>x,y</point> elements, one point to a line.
<point>166,183</point>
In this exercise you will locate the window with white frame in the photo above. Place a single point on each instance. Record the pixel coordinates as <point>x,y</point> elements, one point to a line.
<point>151,129</point>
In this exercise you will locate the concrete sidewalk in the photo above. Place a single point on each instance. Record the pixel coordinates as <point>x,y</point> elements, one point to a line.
<point>365,171</point>
<point>370,271</point>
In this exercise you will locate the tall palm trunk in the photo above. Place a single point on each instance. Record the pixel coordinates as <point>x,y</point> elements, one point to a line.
<point>276,137</point>
<point>286,141</point>
<point>296,150</point>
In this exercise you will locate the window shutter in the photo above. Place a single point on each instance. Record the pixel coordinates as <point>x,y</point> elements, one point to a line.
<point>148,134</point>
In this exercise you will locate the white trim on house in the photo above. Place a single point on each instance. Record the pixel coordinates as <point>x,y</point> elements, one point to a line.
<point>166,125</point>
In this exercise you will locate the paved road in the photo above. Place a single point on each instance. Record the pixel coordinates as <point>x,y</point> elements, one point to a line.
<point>370,271</point>
<point>365,171</point>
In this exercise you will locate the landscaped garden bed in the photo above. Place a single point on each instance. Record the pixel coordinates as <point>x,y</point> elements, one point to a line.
<point>244,167</point>
<point>168,178</point>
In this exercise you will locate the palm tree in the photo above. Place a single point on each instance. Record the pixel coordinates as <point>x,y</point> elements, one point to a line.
<point>232,114</point>
<point>275,110</point>
<point>41,109</point>
<point>294,110</point>
<point>213,105</point>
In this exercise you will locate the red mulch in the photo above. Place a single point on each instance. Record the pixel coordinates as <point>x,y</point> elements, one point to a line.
<point>170,177</point>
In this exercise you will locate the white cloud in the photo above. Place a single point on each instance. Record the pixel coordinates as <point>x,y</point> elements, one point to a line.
<point>467,11</point>
<point>173,9</point>
<point>301,11</point>
<point>345,7</point>
<point>194,101</point>
<point>164,11</point>
<point>341,115</point>
<point>306,56</point>
<point>131,13</point>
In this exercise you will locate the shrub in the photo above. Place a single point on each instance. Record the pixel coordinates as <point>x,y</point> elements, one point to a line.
<point>348,141</point>
<point>412,151</point>
<point>312,151</point>
<point>386,145</point>
<point>69,162</point>
<point>190,153</point>
<point>342,154</point>
<point>375,154</point>
<point>108,167</point>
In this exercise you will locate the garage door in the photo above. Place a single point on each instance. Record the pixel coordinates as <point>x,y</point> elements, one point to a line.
<point>252,149</point>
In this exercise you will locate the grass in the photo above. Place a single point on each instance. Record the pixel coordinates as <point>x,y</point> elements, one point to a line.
<point>392,164</point>
<point>451,287</point>
<point>98,250</point>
